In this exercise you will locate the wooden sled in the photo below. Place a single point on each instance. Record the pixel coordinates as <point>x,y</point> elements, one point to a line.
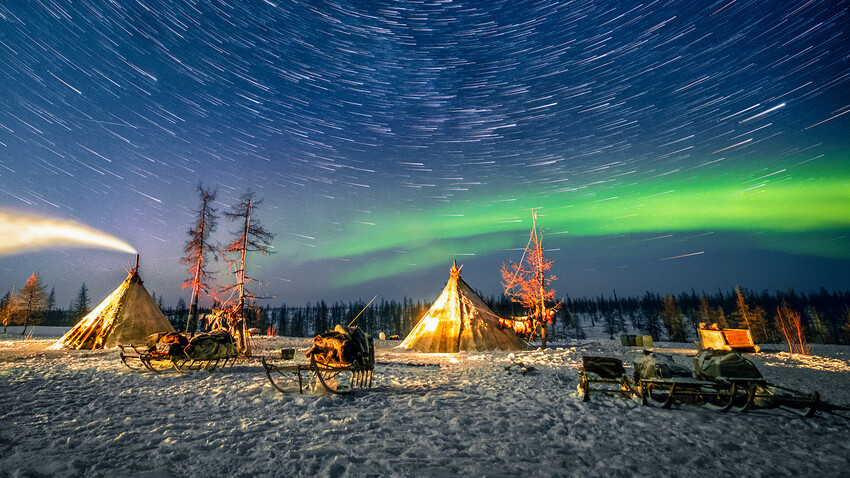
<point>765,395</point>
<point>666,391</point>
<point>137,357</point>
<point>658,378</point>
<point>605,375</point>
<point>337,379</point>
<point>740,392</point>
<point>341,360</point>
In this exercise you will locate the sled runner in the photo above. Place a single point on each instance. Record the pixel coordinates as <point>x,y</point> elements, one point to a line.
<point>658,378</point>
<point>340,361</point>
<point>722,379</point>
<point>731,369</point>
<point>173,350</point>
<point>604,375</point>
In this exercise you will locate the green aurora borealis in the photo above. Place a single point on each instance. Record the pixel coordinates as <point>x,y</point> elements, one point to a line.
<point>803,209</point>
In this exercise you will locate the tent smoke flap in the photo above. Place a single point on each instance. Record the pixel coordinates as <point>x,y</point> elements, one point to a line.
<point>127,316</point>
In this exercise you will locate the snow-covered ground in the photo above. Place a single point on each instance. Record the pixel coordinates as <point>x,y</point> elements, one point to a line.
<point>83,413</point>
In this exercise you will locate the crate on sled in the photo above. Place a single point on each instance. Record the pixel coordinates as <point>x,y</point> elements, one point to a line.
<point>739,340</point>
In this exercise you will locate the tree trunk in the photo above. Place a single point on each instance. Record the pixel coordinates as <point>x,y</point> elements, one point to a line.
<point>242,330</point>
<point>27,313</point>
<point>544,321</point>
<point>544,334</point>
<point>192,320</point>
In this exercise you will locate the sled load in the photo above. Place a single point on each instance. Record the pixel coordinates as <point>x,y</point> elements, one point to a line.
<point>460,320</point>
<point>722,366</point>
<point>162,351</point>
<point>657,377</point>
<point>127,316</point>
<point>721,379</point>
<point>340,360</point>
<point>604,375</point>
<point>716,338</point>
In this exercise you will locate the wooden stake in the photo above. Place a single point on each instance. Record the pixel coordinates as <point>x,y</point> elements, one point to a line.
<point>364,308</point>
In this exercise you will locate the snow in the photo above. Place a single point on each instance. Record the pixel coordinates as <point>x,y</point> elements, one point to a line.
<point>75,413</point>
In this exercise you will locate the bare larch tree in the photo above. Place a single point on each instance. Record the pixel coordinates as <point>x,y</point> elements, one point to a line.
<point>31,302</point>
<point>526,282</point>
<point>251,237</point>
<point>197,248</point>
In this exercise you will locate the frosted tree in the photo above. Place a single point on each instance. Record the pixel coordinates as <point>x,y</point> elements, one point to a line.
<point>51,299</point>
<point>821,331</point>
<point>788,321</point>
<point>6,310</point>
<point>752,318</point>
<point>671,315</point>
<point>846,326</point>
<point>197,248</point>
<point>527,282</point>
<point>251,237</point>
<point>80,305</point>
<point>30,302</point>
<point>708,315</point>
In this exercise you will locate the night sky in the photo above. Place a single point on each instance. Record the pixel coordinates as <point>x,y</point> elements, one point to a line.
<point>669,146</point>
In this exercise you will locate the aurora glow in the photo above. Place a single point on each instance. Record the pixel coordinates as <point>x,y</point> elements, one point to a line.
<point>779,204</point>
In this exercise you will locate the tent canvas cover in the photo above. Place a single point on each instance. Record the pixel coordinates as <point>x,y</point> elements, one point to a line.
<point>460,320</point>
<point>127,316</point>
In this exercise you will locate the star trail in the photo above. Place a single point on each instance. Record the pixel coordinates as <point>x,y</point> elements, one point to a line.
<point>667,145</point>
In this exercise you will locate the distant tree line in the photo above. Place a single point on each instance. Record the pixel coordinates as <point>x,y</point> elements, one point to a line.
<point>824,315</point>
<point>391,317</point>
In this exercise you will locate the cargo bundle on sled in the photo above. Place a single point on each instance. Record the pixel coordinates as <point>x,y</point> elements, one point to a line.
<point>604,375</point>
<point>163,351</point>
<point>722,380</point>
<point>657,377</point>
<point>340,361</point>
<point>735,370</point>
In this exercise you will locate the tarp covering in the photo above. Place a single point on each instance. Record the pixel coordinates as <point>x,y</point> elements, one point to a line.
<point>214,345</point>
<point>460,320</point>
<point>603,367</point>
<point>717,364</point>
<point>657,365</point>
<point>127,316</point>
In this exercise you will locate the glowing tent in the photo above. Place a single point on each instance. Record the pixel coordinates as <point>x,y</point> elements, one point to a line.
<point>460,320</point>
<point>127,316</point>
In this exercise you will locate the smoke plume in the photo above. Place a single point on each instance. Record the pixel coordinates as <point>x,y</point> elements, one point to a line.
<point>24,232</point>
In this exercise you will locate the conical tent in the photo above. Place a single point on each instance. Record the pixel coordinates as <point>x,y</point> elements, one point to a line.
<point>127,316</point>
<point>460,320</point>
